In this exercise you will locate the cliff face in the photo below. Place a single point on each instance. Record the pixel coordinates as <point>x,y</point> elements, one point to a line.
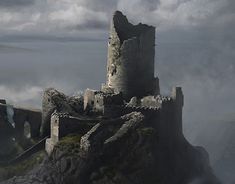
<point>54,100</point>
<point>128,150</point>
<point>124,150</point>
<point>127,133</point>
<point>219,139</point>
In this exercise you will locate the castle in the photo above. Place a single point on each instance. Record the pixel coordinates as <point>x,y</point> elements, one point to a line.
<point>20,116</point>
<point>130,87</point>
<point>127,132</point>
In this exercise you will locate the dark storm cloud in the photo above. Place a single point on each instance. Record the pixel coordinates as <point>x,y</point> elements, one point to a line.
<point>15,3</point>
<point>100,5</point>
<point>200,58</point>
<point>91,25</point>
<point>67,66</point>
<point>212,34</point>
<point>195,49</point>
<point>67,16</point>
<point>111,5</point>
<point>108,7</point>
<point>150,5</point>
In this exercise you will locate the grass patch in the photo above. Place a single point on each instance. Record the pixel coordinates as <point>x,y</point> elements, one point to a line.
<point>148,131</point>
<point>70,139</point>
<point>69,144</point>
<point>21,168</point>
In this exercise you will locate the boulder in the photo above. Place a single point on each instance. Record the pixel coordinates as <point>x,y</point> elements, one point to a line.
<point>124,150</point>
<point>54,100</point>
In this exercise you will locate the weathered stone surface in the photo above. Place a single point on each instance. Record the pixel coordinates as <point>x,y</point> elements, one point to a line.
<point>141,144</point>
<point>124,150</point>
<point>12,129</point>
<point>76,103</point>
<point>62,124</point>
<point>85,140</point>
<point>131,51</point>
<point>55,100</point>
<point>133,120</point>
<point>133,102</point>
<point>32,116</point>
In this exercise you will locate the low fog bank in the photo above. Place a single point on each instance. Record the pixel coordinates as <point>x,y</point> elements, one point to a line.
<point>204,68</point>
<point>67,66</point>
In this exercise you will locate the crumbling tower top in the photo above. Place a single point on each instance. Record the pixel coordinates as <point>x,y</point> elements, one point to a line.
<point>131,52</point>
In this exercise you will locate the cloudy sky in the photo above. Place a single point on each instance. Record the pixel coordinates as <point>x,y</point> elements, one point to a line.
<point>196,36</point>
<point>68,17</point>
<point>62,43</point>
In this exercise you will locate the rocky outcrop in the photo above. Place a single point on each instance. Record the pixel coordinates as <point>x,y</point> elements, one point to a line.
<point>55,100</point>
<point>140,142</point>
<point>125,150</point>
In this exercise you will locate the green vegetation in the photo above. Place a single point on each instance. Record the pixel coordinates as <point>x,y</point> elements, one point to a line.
<point>21,168</point>
<point>70,139</point>
<point>70,144</point>
<point>110,171</point>
<point>9,150</point>
<point>148,131</point>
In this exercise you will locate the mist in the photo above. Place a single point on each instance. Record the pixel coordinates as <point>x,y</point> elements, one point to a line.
<point>63,44</point>
<point>204,70</point>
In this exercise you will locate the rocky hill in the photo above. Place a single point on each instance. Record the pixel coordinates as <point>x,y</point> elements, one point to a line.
<point>124,150</point>
<point>218,137</point>
<point>125,133</point>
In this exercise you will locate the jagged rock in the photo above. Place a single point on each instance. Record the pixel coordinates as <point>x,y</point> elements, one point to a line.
<point>125,150</point>
<point>144,147</point>
<point>133,102</point>
<point>108,143</point>
<point>134,120</point>
<point>76,103</point>
<point>85,140</point>
<point>55,100</point>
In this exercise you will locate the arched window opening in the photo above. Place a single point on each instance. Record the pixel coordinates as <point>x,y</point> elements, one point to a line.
<point>27,130</point>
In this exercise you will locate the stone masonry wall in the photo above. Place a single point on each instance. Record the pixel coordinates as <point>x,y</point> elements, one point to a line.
<point>131,53</point>
<point>20,117</point>
<point>62,124</point>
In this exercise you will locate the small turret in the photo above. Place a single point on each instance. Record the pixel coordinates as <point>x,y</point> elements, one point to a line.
<point>178,97</point>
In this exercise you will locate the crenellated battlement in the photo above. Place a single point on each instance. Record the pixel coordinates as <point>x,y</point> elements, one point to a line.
<point>144,110</point>
<point>63,124</point>
<point>60,115</point>
<point>131,86</point>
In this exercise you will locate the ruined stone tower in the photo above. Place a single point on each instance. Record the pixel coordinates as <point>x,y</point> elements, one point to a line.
<point>131,87</point>
<point>131,52</point>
